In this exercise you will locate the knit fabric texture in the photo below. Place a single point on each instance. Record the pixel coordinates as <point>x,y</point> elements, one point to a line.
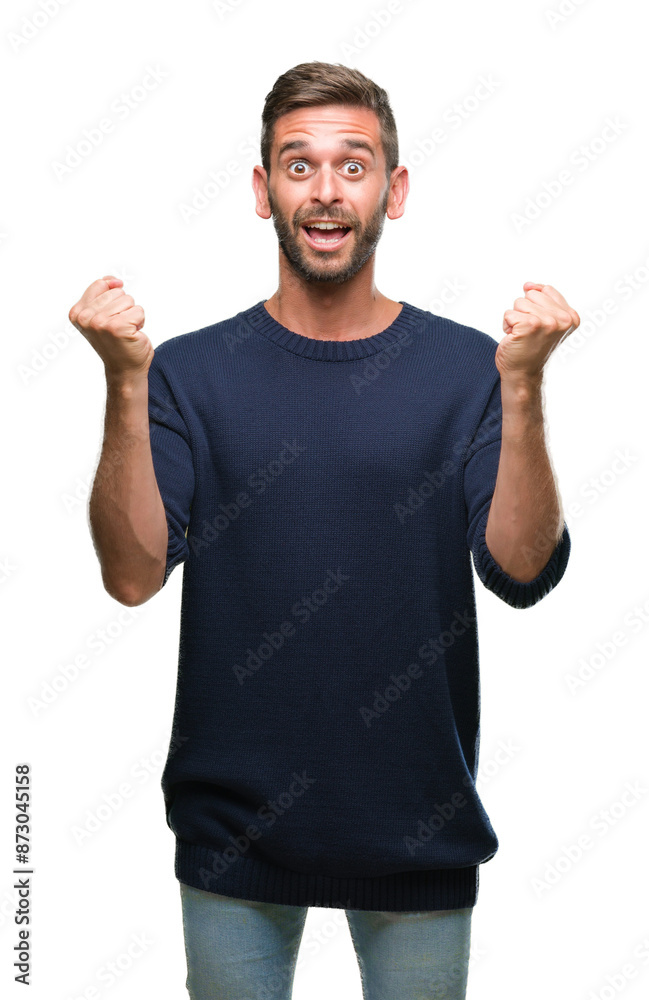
<point>326,500</point>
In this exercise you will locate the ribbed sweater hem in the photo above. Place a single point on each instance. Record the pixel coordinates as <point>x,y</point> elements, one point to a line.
<point>249,878</point>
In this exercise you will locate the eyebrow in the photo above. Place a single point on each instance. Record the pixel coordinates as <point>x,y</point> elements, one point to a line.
<point>302,144</point>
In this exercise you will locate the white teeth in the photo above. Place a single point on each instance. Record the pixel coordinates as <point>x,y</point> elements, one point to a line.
<point>326,225</point>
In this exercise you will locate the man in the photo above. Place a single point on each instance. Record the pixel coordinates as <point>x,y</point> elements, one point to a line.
<point>325,463</point>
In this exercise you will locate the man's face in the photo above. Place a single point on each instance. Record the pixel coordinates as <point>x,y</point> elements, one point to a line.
<point>324,176</point>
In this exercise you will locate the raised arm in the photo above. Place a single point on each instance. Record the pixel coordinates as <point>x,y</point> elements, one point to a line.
<point>526,520</point>
<point>127,516</point>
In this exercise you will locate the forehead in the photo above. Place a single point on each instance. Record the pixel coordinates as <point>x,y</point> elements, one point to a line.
<point>328,123</point>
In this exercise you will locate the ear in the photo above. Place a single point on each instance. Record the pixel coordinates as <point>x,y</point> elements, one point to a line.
<point>260,187</point>
<point>399,188</point>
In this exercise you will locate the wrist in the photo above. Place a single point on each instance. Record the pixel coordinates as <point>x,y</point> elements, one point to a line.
<point>127,383</point>
<point>521,388</point>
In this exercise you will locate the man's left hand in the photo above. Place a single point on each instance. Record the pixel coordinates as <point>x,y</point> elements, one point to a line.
<point>537,324</point>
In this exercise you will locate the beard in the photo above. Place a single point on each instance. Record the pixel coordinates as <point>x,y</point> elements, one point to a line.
<point>327,266</point>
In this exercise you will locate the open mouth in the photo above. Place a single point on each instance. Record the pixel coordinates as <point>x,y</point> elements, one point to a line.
<point>326,239</point>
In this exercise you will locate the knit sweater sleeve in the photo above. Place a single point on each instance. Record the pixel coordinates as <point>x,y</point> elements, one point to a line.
<point>479,472</point>
<point>172,462</point>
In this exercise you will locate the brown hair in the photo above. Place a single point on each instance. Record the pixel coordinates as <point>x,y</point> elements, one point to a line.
<point>317,83</point>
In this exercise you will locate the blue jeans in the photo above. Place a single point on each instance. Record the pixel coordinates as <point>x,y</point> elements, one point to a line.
<point>238,949</point>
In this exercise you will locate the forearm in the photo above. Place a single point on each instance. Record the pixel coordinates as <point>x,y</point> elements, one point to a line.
<point>526,518</point>
<point>127,518</point>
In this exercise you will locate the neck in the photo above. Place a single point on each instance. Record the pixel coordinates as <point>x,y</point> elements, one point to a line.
<point>328,311</point>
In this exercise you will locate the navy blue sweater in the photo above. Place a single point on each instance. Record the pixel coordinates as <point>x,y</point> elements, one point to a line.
<point>325,498</point>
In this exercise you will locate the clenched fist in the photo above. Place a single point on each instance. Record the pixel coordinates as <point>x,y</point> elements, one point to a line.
<point>112,323</point>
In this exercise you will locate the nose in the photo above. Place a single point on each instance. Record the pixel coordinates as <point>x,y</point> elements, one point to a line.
<point>326,187</point>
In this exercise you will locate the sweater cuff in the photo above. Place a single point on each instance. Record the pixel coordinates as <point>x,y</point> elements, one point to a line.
<point>177,547</point>
<point>516,593</point>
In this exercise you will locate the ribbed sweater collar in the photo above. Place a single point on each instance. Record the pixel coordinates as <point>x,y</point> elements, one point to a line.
<point>331,350</point>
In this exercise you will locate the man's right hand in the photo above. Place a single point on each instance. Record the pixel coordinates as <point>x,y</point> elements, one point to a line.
<point>112,323</point>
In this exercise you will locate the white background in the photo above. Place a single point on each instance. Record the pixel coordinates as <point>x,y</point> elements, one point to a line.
<point>120,211</point>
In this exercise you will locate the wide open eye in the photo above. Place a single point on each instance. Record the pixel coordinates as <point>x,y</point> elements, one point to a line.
<point>349,163</point>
